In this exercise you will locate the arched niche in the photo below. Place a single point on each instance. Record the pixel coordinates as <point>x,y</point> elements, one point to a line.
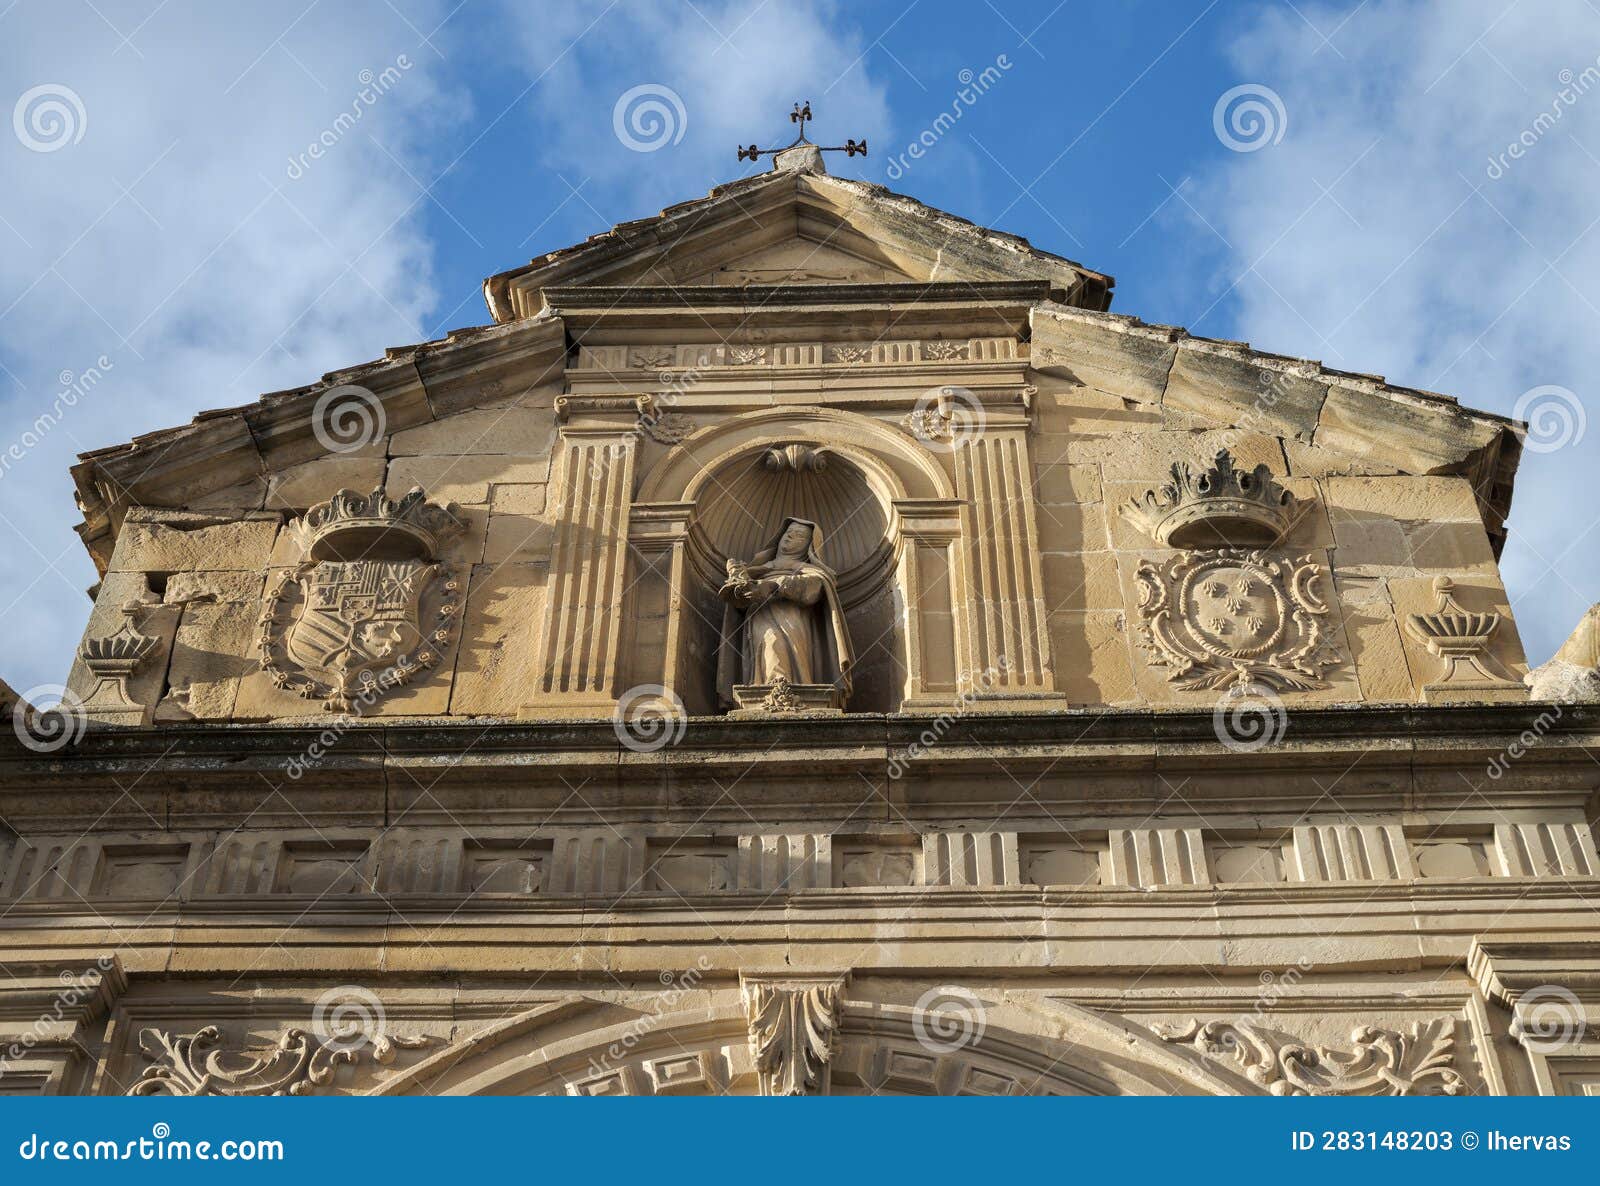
<point>890,520</point>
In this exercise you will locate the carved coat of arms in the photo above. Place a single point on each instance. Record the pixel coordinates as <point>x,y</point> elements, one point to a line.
<point>355,619</point>
<point>1234,617</point>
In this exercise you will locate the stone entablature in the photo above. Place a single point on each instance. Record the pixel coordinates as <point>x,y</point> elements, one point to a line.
<point>627,862</point>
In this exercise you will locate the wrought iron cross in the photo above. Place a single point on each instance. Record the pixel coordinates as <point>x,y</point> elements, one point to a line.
<point>802,115</point>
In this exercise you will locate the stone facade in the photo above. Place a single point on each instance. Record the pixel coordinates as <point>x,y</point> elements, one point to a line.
<point>1174,736</point>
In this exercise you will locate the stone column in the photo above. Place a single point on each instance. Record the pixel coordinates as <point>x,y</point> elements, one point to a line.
<point>658,535</point>
<point>1008,651</point>
<point>929,563</point>
<point>578,643</point>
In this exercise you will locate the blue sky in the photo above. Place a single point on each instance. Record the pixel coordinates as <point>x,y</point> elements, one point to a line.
<point>157,213</point>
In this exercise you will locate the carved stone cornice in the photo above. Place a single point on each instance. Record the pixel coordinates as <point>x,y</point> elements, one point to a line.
<point>794,1025</point>
<point>1378,1062</point>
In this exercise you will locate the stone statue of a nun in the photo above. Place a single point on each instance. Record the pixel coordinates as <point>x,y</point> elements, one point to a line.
<point>785,646</point>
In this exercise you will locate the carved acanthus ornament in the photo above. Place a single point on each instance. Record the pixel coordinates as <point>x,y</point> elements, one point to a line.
<point>1461,639</point>
<point>1379,1062</point>
<point>369,608</point>
<point>793,1025</point>
<point>1215,505</point>
<point>194,1064</point>
<point>1235,617</point>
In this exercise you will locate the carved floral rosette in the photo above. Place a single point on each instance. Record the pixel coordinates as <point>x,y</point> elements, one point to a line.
<point>1235,617</point>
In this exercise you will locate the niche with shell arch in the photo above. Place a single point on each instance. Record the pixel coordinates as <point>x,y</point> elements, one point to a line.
<point>725,491</point>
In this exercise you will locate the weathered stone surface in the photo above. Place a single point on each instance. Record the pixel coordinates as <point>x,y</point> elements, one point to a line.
<point>1093,664</point>
<point>241,585</point>
<point>1226,384</point>
<point>514,537</point>
<point>174,542</point>
<point>1103,351</point>
<point>524,432</point>
<point>300,486</point>
<point>1407,524</point>
<point>1376,649</point>
<point>518,498</point>
<point>1412,433</point>
<point>464,479</point>
<point>496,665</point>
<point>213,651</point>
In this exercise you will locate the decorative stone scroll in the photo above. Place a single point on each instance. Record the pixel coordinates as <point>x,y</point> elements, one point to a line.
<point>1216,505</point>
<point>794,1024</point>
<point>369,608</point>
<point>1461,639</point>
<point>1380,1061</point>
<point>193,1064</point>
<point>1235,617</point>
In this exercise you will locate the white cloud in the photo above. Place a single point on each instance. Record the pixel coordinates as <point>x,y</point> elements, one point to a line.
<point>172,240</point>
<point>1419,263</point>
<point>737,66</point>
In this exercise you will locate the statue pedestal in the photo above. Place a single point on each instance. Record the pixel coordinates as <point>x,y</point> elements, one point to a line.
<point>784,699</point>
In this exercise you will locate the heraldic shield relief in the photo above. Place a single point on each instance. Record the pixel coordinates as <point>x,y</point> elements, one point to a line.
<point>1231,616</point>
<point>358,618</point>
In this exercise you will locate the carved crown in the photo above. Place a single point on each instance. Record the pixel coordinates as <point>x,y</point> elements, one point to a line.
<point>1215,506</point>
<point>351,526</point>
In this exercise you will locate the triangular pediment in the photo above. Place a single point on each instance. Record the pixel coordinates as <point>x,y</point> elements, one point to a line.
<point>789,227</point>
<point>802,261</point>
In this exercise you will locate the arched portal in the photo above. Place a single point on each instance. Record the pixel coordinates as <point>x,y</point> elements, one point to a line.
<point>588,1046</point>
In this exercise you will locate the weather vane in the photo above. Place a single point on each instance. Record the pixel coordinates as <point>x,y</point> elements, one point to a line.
<point>802,115</point>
